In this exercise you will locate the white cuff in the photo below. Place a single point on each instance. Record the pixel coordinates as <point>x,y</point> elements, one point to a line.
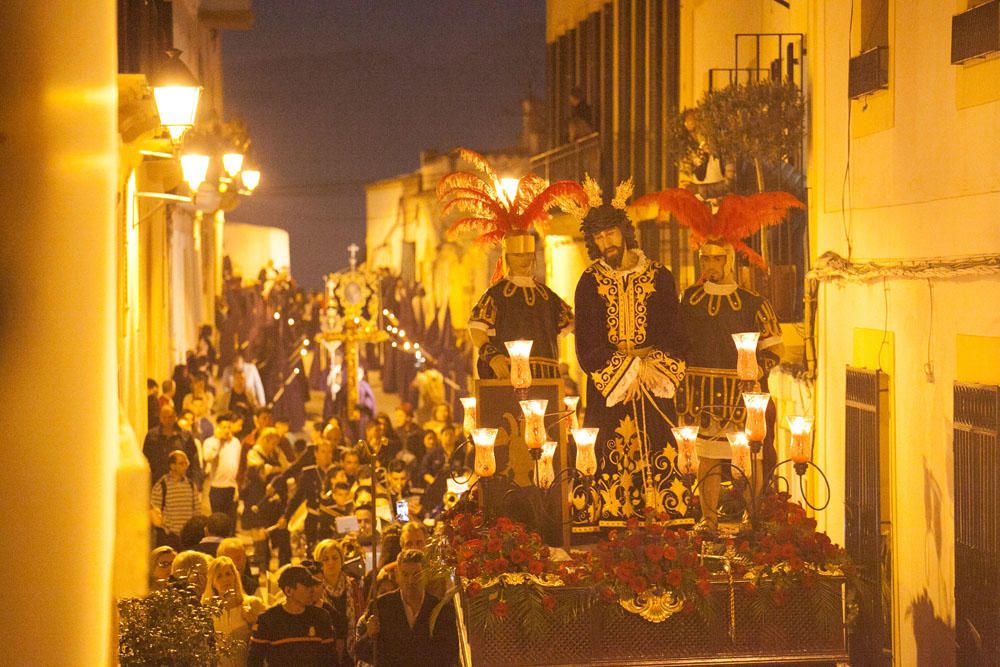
<point>622,389</point>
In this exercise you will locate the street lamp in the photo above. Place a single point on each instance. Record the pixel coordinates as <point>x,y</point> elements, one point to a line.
<point>232,162</point>
<point>194,167</point>
<point>250,178</point>
<point>176,93</point>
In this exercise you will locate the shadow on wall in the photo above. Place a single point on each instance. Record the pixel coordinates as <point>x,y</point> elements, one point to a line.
<point>935,636</point>
<point>933,506</point>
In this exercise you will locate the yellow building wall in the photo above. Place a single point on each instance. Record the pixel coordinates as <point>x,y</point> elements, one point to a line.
<point>922,187</point>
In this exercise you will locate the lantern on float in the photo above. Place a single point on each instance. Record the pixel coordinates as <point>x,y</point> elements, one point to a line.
<point>484,439</point>
<point>586,459</point>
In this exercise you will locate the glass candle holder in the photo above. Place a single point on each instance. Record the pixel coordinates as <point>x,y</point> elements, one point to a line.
<point>571,403</point>
<point>740,455</point>
<point>546,473</point>
<point>470,418</point>
<point>687,454</point>
<point>534,422</point>
<point>484,440</point>
<point>800,449</point>
<point>520,369</point>
<point>756,426</point>
<point>746,351</point>
<point>586,459</point>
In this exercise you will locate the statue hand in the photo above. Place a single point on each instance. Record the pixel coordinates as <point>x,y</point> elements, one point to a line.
<point>501,366</point>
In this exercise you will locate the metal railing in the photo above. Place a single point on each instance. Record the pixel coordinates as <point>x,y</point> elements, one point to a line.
<point>570,161</point>
<point>976,434</point>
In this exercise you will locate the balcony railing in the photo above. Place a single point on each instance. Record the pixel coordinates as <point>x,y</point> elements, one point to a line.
<point>571,160</point>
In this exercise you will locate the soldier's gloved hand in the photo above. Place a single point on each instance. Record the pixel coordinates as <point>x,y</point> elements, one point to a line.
<point>501,366</point>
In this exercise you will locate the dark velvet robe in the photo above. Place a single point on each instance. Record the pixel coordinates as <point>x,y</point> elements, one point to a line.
<point>508,311</point>
<point>629,335</point>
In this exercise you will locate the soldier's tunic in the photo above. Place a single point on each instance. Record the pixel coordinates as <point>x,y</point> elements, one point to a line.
<point>519,308</point>
<point>631,343</point>
<point>711,394</point>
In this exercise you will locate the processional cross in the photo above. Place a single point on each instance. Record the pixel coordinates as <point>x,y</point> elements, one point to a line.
<point>353,316</point>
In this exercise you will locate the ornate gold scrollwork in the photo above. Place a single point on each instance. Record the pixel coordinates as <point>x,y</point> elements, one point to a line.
<point>654,608</point>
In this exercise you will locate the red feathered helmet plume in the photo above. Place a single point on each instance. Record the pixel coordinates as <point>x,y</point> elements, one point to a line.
<point>493,211</point>
<point>737,218</point>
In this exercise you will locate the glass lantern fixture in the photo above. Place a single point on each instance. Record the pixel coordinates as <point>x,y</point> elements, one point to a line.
<point>756,426</point>
<point>470,417</point>
<point>746,359</point>
<point>194,167</point>
<point>546,472</point>
<point>740,455</point>
<point>571,403</point>
<point>176,93</point>
<point>232,162</point>
<point>800,448</point>
<point>534,423</point>
<point>484,439</point>
<point>586,459</point>
<point>520,369</point>
<point>250,178</point>
<point>687,454</point>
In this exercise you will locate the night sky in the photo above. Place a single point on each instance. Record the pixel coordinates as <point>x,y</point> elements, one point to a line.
<point>337,94</point>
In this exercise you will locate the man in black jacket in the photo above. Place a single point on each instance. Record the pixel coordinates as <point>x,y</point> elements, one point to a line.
<point>400,629</point>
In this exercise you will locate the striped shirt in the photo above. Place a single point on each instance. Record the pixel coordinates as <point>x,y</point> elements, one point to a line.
<point>181,502</point>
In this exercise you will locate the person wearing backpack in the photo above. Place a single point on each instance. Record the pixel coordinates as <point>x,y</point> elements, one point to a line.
<point>173,500</point>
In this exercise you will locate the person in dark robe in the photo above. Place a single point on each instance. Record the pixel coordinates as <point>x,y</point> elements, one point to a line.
<point>631,343</point>
<point>517,307</point>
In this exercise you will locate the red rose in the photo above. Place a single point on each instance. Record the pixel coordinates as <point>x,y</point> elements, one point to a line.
<point>655,529</point>
<point>518,556</point>
<point>548,602</point>
<point>473,589</point>
<point>674,578</point>
<point>633,541</point>
<point>493,546</point>
<point>670,552</point>
<point>654,552</point>
<point>499,609</point>
<point>571,578</point>
<point>632,523</point>
<point>536,567</point>
<point>501,564</point>
<point>472,570</point>
<point>796,564</point>
<point>638,584</point>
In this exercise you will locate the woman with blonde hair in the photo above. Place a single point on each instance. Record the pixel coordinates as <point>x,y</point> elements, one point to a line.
<point>239,611</point>
<point>343,593</point>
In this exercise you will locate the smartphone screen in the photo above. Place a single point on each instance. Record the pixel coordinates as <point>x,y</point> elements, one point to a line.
<point>403,510</point>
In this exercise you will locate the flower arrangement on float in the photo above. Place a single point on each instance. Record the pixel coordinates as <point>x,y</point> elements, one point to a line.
<point>646,568</point>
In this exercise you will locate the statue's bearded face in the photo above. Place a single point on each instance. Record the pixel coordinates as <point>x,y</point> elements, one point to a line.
<point>611,245</point>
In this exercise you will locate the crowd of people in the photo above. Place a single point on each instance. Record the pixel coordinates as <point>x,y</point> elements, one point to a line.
<point>305,524</point>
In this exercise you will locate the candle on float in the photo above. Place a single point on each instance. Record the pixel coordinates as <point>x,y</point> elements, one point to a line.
<point>800,448</point>
<point>484,439</point>
<point>470,418</point>
<point>687,454</point>
<point>520,368</point>
<point>586,459</point>
<point>740,454</point>
<point>746,355</point>
<point>546,473</point>
<point>571,403</point>
<point>534,422</point>
<point>756,426</point>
